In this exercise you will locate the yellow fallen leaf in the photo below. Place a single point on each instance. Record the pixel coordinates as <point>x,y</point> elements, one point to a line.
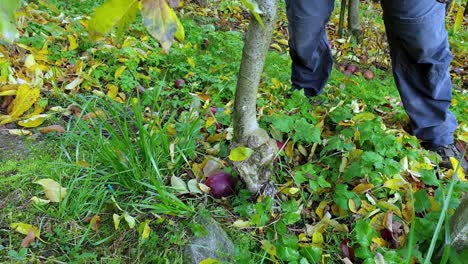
<point>240,153</point>
<point>24,229</point>
<point>29,61</point>
<point>191,62</point>
<point>8,93</point>
<point>38,201</point>
<point>460,172</point>
<point>34,121</point>
<point>73,42</point>
<point>119,72</point>
<point>129,219</point>
<point>53,191</point>
<point>241,224</point>
<point>209,261</point>
<point>116,219</point>
<point>145,229</point>
<point>320,211</point>
<point>19,132</point>
<point>74,84</point>
<point>395,184</point>
<point>25,98</point>
<point>112,91</point>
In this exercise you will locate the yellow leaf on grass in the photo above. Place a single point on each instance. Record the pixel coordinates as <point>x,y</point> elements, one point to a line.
<point>53,191</point>
<point>19,132</point>
<point>116,219</point>
<point>460,172</point>
<point>119,72</point>
<point>8,93</point>
<point>25,98</point>
<point>38,201</point>
<point>191,62</point>
<point>240,153</point>
<point>209,261</point>
<point>33,121</point>
<point>24,229</point>
<point>395,184</point>
<point>363,188</point>
<point>72,41</point>
<point>145,229</point>
<point>129,219</point>
<point>320,211</point>
<point>112,91</point>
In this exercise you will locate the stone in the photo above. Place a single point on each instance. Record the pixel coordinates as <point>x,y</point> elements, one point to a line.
<point>216,244</point>
<point>459,226</point>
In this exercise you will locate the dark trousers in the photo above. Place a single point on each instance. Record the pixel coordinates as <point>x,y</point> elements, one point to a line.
<point>419,51</point>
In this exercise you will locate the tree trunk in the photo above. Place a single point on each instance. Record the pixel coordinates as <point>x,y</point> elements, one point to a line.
<point>344,3</point>
<point>354,25</point>
<point>256,170</point>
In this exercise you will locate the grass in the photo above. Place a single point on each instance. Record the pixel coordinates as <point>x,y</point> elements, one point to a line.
<point>118,158</point>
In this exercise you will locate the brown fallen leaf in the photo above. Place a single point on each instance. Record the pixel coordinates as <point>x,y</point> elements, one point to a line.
<point>52,128</point>
<point>28,239</point>
<point>94,221</point>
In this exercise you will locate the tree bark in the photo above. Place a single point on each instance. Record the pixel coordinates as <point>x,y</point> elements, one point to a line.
<point>256,170</point>
<point>354,25</point>
<point>344,3</point>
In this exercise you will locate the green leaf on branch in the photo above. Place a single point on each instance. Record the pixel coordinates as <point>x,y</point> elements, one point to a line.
<point>254,9</point>
<point>240,153</point>
<point>110,14</point>
<point>8,31</point>
<point>162,23</point>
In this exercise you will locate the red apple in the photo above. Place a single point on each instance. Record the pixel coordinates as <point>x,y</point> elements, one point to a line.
<point>352,68</point>
<point>368,74</point>
<point>179,83</point>
<point>221,184</point>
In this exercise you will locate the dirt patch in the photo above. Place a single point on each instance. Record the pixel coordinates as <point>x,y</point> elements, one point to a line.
<point>13,147</point>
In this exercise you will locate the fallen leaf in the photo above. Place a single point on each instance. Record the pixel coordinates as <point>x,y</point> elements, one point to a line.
<point>179,185</point>
<point>116,219</point>
<point>52,128</point>
<point>38,201</point>
<point>29,239</point>
<point>53,191</point>
<point>19,132</point>
<point>240,153</point>
<point>129,219</point>
<point>25,98</point>
<point>145,229</point>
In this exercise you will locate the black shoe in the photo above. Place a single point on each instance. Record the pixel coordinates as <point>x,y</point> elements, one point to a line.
<point>447,151</point>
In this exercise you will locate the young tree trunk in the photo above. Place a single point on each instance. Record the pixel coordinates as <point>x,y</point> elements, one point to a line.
<point>256,170</point>
<point>344,3</point>
<point>354,25</point>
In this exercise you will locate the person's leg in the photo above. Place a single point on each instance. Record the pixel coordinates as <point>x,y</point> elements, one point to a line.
<point>309,49</point>
<point>420,58</point>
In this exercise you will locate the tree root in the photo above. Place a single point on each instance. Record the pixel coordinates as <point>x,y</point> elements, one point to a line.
<point>257,169</point>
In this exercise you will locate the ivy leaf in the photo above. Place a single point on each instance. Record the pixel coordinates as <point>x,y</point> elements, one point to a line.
<point>162,22</point>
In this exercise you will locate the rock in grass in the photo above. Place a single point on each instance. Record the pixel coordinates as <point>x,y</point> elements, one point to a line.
<point>459,226</point>
<point>216,244</point>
